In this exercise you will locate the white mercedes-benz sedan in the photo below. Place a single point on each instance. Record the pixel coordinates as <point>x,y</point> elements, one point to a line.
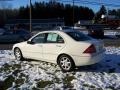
<point>67,48</point>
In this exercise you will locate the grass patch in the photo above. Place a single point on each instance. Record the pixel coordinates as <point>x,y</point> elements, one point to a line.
<point>22,75</point>
<point>43,84</point>
<point>67,81</point>
<point>34,88</point>
<point>19,81</point>
<point>91,87</point>
<point>16,66</point>
<point>7,83</point>
<point>5,68</point>
<point>16,72</point>
<point>112,88</point>
<point>57,80</point>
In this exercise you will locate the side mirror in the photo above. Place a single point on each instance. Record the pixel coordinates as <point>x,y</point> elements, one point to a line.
<point>30,42</point>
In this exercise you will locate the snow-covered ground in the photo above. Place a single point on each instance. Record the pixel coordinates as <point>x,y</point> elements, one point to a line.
<point>35,75</point>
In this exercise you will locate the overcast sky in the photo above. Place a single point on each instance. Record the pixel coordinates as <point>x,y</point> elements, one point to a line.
<point>18,3</point>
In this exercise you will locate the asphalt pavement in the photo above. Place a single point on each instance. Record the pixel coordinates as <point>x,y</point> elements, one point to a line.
<point>6,46</point>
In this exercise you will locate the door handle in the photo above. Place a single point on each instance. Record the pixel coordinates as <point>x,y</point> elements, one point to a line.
<point>58,45</point>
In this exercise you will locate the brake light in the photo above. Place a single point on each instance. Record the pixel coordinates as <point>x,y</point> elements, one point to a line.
<point>90,49</point>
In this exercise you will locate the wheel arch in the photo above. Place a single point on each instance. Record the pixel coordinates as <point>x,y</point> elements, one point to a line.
<point>66,55</point>
<point>18,48</point>
<point>22,57</point>
<point>15,48</point>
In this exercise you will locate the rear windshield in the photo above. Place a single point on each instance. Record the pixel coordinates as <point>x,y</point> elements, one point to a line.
<point>78,36</point>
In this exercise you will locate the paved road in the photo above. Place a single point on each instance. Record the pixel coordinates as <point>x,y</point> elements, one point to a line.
<point>6,46</point>
<point>112,42</point>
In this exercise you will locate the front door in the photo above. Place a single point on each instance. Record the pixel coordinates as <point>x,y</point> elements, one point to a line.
<point>34,49</point>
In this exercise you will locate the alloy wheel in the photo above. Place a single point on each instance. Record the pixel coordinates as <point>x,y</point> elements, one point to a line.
<point>65,63</point>
<point>18,54</point>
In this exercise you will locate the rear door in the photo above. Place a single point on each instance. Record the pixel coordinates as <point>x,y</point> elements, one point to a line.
<point>54,44</point>
<point>35,49</point>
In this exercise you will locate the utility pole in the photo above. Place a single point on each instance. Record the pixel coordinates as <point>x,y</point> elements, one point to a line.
<point>73,12</point>
<point>30,16</point>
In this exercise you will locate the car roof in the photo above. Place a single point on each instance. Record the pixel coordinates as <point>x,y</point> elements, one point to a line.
<point>65,31</point>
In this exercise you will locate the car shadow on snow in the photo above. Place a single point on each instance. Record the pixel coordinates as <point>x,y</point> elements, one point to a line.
<point>110,64</point>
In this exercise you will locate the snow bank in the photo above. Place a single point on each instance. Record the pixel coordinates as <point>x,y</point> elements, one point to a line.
<point>104,75</point>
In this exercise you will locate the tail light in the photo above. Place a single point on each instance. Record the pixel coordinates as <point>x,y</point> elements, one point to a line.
<point>90,49</point>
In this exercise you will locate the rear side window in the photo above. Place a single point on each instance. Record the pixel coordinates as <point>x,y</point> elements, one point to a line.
<point>54,38</point>
<point>78,36</point>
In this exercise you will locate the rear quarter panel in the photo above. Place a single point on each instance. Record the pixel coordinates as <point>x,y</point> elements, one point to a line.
<point>76,48</point>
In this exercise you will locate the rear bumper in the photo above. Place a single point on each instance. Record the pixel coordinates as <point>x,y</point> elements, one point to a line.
<point>87,60</point>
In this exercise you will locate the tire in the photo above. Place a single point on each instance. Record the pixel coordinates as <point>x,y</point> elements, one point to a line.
<point>18,54</point>
<point>66,63</point>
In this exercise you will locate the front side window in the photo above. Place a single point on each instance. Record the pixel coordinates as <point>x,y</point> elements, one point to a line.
<point>39,38</point>
<point>54,38</point>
